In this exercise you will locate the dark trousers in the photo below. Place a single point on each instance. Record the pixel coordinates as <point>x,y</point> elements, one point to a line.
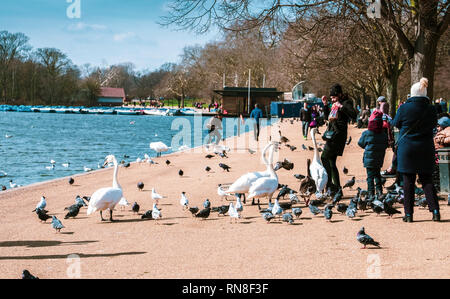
<point>373,174</point>
<point>409,181</point>
<point>305,126</point>
<point>256,131</point>
<point>329,162</point>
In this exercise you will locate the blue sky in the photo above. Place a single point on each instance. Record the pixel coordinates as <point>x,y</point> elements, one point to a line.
<point>108,31</point>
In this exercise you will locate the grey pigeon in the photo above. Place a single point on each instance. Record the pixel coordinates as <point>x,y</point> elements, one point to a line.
<point>377,206</point>
<point>57,225</point>
<point>267,216</point>
<point>391,211</point>
<point>140,186</point>
<point>349,140</point>
<point>225,167</point>
<point>147,215</point>
<point>27,275</point>
<point>209,156</point>
<point>80,201</point>
<point>135,208</point>
<point>337,197</point>
<point>315,210</point>
<point>351,212</point>
<point>299,176</point>
<point>297,212</point>
<point>342,208</point>
<point>421,202</point>
<point>203,213</point>
<point>365,239</point>
<point>193,210</point>
<point>328,212</point>
<point>208,169</point>
<point>71,181</point>
<point>345,170</point>
<point>180,173</point>
<point>304,147</point>
<point>73,212</point>
<point>42,215</point>
<point>350,183</point>
<point>287,217</point>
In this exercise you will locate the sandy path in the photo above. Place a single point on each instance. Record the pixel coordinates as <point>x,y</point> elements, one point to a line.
<point>182,247</point>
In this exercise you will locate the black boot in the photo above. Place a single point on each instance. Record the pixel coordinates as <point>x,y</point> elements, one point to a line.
<point>436,216</point>
<point>408,218</point>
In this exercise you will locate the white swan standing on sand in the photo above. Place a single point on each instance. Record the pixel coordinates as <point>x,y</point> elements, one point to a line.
<point>109,197</point>
<point>242,184</point>
<point>318,172</point>
<point>159,147</point>
<point>265,186</point>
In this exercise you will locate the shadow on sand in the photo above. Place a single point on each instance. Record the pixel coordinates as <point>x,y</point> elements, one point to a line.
<point>37,243</point>
<point>64,256</point>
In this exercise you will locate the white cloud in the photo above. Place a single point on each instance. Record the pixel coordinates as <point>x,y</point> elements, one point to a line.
<point>80,26</point>
<point>120,37</point>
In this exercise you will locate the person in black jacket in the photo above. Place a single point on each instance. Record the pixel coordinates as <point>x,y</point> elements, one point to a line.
<point>416,119</point>
<point>374,141</point>
<point>341,112</point>
<point>305,117</point>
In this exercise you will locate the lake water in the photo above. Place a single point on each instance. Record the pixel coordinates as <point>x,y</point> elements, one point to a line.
<point>85,140</point>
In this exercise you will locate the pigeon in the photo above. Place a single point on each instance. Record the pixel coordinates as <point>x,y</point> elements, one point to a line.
<point>167,162</point>
<point>225,167</point>
<point>304,147</point>
<point>267,216</point>
<point>310,148</point>
<point>362,204</point>
<point>349,140</point>
<point>391,211</point>
<point>268,210</point>
<point>287,217</point>
<point>351,211</point>
<point>337,197</point>
<point>56,223</point>
<point>251,151</point>
<point>327,212</point>
<point>284,139</point>
<point>365,239</point>
<point>80,201</point>
<point>193,210</point>
<point>342,208</point>
<point>377,206</point>
<point>350,183</point>
<point>292,148</point>
<point>73,212</point>
<point>140,186</point>
<point>285,205</point>
<point>285,190</point>
<point>71,181</point>
<point>135,208</point>
<point>3,187</point>
<point>208,169</point>
<point>27,275</point>
<point>42,215</point>
<point>293,198</point>
<point>184,202</point>
<point>421,202</point>
<point>207,204</point>
<point>299,176</point>
<point>345,170</point>
<point>222,210</point>
<point>180,173</point>
<point>297,212</point>
<point>147,215</point>
<point>209,156</point>
<point>203,213</point>
<point>223,154</point>
<point>314,210</point>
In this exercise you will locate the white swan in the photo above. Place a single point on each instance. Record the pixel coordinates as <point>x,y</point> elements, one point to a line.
<point>106,198</point>
<point>318,172</point>
<point>242,184</point>
<point>265,186</point>
<point>159,147</point>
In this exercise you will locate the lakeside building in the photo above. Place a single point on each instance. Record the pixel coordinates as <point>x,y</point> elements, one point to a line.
<point>110,96</point>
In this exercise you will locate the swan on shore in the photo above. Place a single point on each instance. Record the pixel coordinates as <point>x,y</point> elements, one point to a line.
<point>318,172</point>
<point>109,197</point>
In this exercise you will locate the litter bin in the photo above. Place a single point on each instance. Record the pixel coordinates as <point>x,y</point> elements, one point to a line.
<point>444,168</point>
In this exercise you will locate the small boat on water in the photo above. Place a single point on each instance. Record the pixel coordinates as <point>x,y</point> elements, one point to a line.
<point>128,112</point>
<point>47,110</point>
<point>63,110</point>
<point>156,111</point>
<point>106,111</point>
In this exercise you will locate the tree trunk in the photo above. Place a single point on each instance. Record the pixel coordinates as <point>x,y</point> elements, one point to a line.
<point>392,93</point>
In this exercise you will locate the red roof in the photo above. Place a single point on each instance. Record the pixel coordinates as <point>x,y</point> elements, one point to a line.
<point>109,92</point>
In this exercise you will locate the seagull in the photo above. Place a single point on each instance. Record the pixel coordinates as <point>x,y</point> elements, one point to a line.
<point>65,165</point>
<point>50,167</point>
<point>221,192</point>
<point>8,136</point>
<point>42,204</point>
<point>207,204</point>
<point>3,174</point>
<point>365,239</point>
<point>239,207</point>
<point>87,169</point>
<point>56,223</point>
<point>140,186</point>
<point>155,196</point>
<point>123,202</point>
<point>71,181</point>
<point>135,208</point>
<point>52,161</point>
<point>233,213</point>
<point>159,147</point>
<point>156,214</point>
<point>184,202</point>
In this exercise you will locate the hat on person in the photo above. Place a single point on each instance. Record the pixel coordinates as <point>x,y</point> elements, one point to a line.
<point>336,90</point>
<point>381,99</point>
<point>376,122</point>
<point>419,89</point>
<point>444,122</point>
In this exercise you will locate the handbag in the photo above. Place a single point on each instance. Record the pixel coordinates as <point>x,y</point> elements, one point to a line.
<point>329,134</point>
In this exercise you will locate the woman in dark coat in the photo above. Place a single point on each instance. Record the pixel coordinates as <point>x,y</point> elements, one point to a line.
<point>416,120</point>
<point>342,111</point>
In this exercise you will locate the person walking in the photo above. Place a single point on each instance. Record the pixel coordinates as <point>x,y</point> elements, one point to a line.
<point>374,141</point>
<point>305,117</point>
<point>256,114</point>
<point>342,111</point>
<point>416,120</point>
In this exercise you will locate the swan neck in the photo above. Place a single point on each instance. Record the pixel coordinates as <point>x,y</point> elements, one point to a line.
<point>316,152</point>
<point>264,155</point>
<point>270,165</point>
<point>116,170</point>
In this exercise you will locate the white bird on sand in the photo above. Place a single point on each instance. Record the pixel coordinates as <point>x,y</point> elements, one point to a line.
<point>159,147</point>
<point>66,165</point>
<point>155,196</point>
<point>222,192</point>
<point>42,204</point>
<point>242,184</point>
<point>232,211</point>
<point>109,197</point>
<point>184,202</point>
<point>318,172</point>
<point>239,207</point>
<point>156,214</point>
<point>265,186</point>
<point>123,202</point>
<point>13,185</point>
<point>138,160</point>
<point>276,209</point>
<point>87,169</point>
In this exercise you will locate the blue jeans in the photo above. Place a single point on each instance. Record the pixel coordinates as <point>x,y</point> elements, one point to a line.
<point>373,174</point>
<point>305,127</point>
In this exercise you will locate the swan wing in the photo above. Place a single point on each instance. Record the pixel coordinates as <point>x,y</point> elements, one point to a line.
<point>243,184</point>
<point>104,198</point>
<point>262,187</point>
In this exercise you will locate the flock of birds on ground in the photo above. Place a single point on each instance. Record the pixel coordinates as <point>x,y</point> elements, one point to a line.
<point>252,185</point>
